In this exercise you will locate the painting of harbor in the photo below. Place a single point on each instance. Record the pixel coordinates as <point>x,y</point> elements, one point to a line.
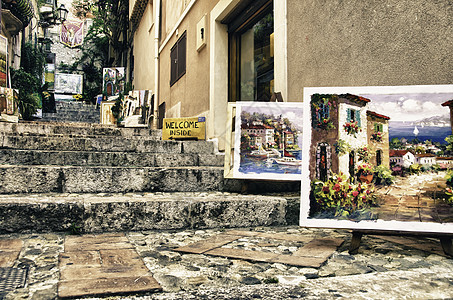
<point>268,140</point>
<point>379,158</point>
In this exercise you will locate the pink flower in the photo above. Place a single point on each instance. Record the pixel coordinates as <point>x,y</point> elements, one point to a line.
<point>355,193</point>
<point>364,197</point>
<point>337,187</point>
<point>368,192</point>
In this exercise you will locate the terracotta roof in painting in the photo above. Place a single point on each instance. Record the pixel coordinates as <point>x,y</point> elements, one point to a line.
<point>445,158</point>
<point>448,103</point>
<point>355,97</point>
<point>374,114</point>
<point>398,153</point>
<point>426,155</point>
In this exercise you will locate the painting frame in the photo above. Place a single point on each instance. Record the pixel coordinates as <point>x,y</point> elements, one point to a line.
<point>311,215</point>
<point>268,149</point>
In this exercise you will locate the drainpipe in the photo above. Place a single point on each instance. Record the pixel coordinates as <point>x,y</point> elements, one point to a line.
<point>156,61</point>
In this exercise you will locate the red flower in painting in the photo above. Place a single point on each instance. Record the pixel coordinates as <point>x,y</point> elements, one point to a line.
<point>355,193</point>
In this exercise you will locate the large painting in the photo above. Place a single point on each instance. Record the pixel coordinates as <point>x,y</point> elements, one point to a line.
<point>68,83</point>
<point>268,140</point>
<point>3,61</point>
<point>113,81</point>
<point>378,158</point>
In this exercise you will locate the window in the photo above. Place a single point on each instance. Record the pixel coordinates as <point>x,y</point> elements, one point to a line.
<point>378,127</point>
<point>251,52</point>
<point>353,115</point>
<point>178,59</point>
<point>324,112</point>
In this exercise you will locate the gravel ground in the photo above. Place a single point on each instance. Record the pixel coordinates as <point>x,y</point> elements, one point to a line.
<point>382,269</point>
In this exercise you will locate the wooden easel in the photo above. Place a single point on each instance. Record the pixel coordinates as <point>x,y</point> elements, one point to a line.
<point>445,239</point>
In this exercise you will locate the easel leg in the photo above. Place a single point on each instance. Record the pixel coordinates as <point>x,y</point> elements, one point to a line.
<point>447,246</point>
<point>355,242</point>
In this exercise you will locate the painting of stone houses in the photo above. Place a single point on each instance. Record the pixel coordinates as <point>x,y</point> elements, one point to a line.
<point>379,154</point>
<point>339,120</point>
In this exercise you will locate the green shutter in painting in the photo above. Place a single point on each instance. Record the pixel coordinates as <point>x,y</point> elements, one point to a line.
<point>357,118</point>
<point>348,115</point>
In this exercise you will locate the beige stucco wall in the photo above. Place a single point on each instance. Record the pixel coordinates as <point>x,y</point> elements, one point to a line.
<point>357,42</point>
<point>189,96</point>
<point>144,51</point>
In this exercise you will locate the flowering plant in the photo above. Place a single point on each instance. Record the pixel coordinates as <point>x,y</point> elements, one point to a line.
<point>363,154</point>
<point>341,197</point>
<point>352,128</point>
<point>78,97</point>
<point>365,169</point>
<point>377,136</point>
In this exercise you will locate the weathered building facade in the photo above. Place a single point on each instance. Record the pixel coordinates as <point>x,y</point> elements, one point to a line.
<point>199,55</point>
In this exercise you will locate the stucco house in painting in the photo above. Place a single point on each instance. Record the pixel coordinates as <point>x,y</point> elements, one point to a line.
<point>404,158</point>
<point>260,134</point>
<point>445,162</point>
<point>426,159</point>
<point>378,138</point>
<point>336,118</point>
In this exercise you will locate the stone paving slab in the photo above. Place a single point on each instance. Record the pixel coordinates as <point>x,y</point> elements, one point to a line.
<point>102,265</point>
<point>107,286</point>
<point>208,244</point>
<point>9,251</point>
<point>312,254</point>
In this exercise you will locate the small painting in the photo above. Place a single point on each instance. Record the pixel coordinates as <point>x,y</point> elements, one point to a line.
<point>268,140</point>
<point>378,158</point>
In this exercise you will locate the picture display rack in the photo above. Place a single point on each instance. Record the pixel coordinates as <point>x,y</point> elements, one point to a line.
<point>445,239</point>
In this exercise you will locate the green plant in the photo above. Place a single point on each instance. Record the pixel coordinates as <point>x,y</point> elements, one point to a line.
<point>117,109</point>
<point>340,198</point>
<point>415,169</point>
<point>27,80</point>
<point>341,147</point>
<point>383,175</point>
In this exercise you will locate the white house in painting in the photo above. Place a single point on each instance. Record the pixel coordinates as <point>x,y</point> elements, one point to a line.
<point>403,158</point>
<point>426,159</point>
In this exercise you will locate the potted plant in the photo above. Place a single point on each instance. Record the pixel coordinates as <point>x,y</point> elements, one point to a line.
<point>352,128</point>
<point>377,137</point>
<point>365,172</point>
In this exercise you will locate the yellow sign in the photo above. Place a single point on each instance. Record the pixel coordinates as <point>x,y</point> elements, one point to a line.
<point>184,128</point>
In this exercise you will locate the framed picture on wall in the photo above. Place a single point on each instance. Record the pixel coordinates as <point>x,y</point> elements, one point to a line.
<point>378,158</point>
<point>268,140</point>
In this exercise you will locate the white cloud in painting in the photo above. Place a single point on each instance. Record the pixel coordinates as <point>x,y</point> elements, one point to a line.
<point>411,105</point>
<point>430,106</point>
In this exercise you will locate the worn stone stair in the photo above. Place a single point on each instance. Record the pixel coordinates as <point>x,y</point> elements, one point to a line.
<point>72,111</point>
<point>54,176</point>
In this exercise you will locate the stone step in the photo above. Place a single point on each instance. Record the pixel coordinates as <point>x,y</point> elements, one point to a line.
<point>90,213</point>
<point>73,179</point>
<point>111,144</point>
<point>111,159</point>
<point>73,129</point>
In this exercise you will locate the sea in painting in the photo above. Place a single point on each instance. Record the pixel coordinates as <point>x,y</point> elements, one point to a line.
<point>271,139</point>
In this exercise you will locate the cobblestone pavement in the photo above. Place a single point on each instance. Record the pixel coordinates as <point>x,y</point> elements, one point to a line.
<point>384,268</point>
<point>415,198</point>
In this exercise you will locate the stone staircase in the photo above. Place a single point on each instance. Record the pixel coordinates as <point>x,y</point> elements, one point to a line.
<point>72,111</point>
<point>84,177</point>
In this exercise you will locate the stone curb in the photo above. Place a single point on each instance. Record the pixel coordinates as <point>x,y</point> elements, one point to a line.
<point>89,213</point>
